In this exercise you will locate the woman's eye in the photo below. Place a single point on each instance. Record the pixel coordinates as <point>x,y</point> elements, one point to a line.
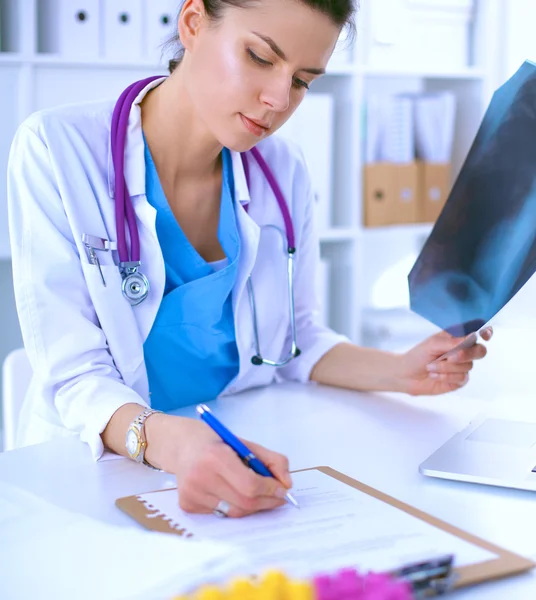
<point>296,82</point>
<point>258,59</point>
<point>300,83</point>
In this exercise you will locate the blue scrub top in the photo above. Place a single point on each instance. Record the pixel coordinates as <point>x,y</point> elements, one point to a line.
<point>191,353</point>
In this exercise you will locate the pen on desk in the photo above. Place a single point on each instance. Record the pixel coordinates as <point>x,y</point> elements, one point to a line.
<point>239,447</point>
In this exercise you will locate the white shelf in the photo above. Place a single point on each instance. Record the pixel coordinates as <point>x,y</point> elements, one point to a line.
<point>466,73</point>
<point>53,60</point>
<point>10,58</point>
<point>411,229</point>
<point>56,60</point>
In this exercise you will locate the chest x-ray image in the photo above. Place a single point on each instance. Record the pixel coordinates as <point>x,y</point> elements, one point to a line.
<point>482,249</point>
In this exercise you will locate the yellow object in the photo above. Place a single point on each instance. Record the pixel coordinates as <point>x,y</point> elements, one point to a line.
<point>274,586</point>
<point>300,590</point>
<point>242,589</point>
<point>210,592</point>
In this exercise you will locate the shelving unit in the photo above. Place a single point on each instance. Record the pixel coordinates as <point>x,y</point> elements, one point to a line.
<point>358,256</point>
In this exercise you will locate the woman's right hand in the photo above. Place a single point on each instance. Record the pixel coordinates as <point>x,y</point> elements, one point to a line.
<point>209,471</point>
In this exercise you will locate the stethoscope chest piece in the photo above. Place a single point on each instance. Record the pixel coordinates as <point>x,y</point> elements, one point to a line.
<point>135,287</point>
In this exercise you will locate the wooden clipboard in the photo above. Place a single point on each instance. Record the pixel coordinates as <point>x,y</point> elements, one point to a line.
<point>506,564</point>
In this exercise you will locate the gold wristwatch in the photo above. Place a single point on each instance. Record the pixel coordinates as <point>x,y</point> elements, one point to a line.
<point>136,441</point>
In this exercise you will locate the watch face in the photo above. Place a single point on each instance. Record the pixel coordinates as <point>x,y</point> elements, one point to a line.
<point>132,443</point>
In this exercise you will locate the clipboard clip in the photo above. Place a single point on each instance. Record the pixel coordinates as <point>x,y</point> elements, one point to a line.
<point>434,577</point>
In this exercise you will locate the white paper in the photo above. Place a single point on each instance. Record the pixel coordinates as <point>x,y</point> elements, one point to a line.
<point>435,117</point>
<point>390,129</point>
<point>9,510</point>
<point>50,553</point>
<point>373,137</point>
<point>337,526</point>
<point>399,140</point>
<point>404,126</point>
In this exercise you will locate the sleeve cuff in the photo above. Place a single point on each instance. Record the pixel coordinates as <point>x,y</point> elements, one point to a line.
<point>323,341</point>
<point>96,423</point>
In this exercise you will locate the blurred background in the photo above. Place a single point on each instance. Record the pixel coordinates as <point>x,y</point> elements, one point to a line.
<point>384,132</point>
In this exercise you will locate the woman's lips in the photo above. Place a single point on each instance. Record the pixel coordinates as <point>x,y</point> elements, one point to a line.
<point>253,127</point>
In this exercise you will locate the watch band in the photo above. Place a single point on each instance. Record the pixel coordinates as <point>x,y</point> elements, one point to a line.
<point>139,425</point>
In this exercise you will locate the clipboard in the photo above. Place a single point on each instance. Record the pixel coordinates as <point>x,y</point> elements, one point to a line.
<point>505,564</point>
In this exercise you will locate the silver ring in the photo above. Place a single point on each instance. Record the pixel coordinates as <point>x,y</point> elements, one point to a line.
<point>222,510</point>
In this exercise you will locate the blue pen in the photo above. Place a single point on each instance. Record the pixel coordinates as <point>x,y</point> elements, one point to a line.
<point>241,449</point>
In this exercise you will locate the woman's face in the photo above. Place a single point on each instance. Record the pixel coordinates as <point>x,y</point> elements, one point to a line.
<point>247,73</point>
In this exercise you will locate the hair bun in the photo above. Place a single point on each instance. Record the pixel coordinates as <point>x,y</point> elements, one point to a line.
<point>173,64</point>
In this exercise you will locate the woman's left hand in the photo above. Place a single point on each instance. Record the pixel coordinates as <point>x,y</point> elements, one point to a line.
<point>422,377</point>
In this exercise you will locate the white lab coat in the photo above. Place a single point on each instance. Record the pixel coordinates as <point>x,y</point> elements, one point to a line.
<point>84,340</point>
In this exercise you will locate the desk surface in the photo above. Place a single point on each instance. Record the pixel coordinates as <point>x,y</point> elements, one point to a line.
<point>377,439</point>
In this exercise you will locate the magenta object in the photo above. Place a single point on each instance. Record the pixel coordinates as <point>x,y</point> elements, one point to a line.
<point>348,584</point>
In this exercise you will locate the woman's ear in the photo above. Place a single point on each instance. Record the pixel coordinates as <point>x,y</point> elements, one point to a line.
<point>191,18</point>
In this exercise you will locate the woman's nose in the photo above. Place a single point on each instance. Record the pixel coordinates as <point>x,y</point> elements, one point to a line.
<point>277,94</point>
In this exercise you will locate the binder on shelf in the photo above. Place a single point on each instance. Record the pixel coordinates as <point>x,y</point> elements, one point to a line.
<point>435,117</point>
<point>10,36</point>
<point>123,29</point>
<point>434,188</point>
<point>391,193</point>
<point>408,148</point>
<point>378,189</point>
<point>161,22</point>
<point>405,198</point>
<point>311,128</point>
<point>69,28</point>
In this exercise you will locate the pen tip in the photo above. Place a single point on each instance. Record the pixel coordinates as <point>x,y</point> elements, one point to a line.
<point>290,498</point>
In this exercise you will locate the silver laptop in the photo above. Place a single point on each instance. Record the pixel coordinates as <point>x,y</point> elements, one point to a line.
<point>493,450</point>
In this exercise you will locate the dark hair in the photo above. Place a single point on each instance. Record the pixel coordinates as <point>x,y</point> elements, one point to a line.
<point>341,12</point>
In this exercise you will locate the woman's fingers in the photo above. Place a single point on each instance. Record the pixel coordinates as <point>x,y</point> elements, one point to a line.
<point>476,352</point>
<point>221,475</point>
<point>449,367</point>
<point>457,379</point>
<point>198,500</point>
<point>487,333</point>
<point>276,463</point>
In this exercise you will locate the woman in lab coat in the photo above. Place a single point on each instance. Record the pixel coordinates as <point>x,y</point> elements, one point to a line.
<point>100,362</point>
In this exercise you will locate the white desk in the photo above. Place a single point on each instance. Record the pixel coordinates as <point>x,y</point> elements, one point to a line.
<point>376,439</point>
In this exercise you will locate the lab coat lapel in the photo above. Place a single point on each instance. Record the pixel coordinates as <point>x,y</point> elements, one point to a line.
<point>248,230</point>
<point>140,318</point>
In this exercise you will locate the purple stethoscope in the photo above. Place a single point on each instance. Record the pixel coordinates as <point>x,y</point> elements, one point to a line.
<point>135,285</point>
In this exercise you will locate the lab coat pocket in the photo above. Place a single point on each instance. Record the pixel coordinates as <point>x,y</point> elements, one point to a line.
<point>116,317</point>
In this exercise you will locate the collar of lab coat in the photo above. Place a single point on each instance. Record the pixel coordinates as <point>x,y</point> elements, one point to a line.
<point>135,157</point>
